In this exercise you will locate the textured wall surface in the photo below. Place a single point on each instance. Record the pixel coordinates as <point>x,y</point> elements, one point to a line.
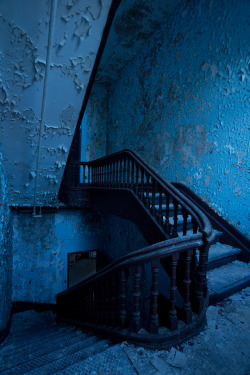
<point>40,251</point>
<point>121,236</point>
<point>23,49</point>
<point>94,125</point>
<point>184,104</point>
<point>5,252</point>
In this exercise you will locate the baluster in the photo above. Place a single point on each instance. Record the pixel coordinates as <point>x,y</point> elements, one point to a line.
<point>187,312</point>
<point>175,233</point>
<point>154,321</point>
<point>152,203</point>
<point>201,286</point>
<point>167,224</point>
<point>159,216</point>
<point>123,298</point>
<point>135,323</point>
<point>142,184</point>
<point>185,216</point>
<point>147,204</point>
<point>173,322</point>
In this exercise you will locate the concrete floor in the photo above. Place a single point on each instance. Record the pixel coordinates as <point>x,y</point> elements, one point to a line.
<point>223,347</point>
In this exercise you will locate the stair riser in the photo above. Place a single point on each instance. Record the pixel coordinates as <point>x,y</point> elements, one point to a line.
<point>221,262</point>
<point>237,287</point>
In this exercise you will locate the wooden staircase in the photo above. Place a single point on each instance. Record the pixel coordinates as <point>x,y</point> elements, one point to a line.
<point>157,295</point>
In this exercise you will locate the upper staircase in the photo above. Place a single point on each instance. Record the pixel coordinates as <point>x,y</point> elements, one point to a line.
<point>157,295</point>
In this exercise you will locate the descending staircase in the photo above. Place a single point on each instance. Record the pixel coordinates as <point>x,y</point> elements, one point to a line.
<point>38,345</point>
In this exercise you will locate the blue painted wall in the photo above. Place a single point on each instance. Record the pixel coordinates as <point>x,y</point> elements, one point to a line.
<point>184,104</point>
<point>40,248</point>
<point>5,252</point>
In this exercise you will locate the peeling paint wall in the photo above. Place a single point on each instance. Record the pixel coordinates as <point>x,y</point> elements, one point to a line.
<point>23,47</point>
<point>5,252</point>
<point>184,104</point>
<point>94,126</point>
<point>40,248</point>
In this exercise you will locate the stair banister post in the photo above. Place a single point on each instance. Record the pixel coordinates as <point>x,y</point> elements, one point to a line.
<point>136,315</point>
<point>123,299</point>
<point>154,321</point>
<point>187,312</point>
<point>173,321</point>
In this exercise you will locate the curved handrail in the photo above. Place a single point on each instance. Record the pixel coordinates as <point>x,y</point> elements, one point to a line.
<point>160,249</point>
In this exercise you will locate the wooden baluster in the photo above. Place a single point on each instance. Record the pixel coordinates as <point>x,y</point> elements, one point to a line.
<point>201,279</point>
<point>167,224</point>
<point>154,321</point>
<point>187,312</point>
<point>147,202</point>
<point>185,216</point>
<point>136,316</point>
<point>159,216</point>
<point>152,203</point>
<point>123,299</point>
<point>175,233</point>
<point>142,184</point>
<point>173,322</point>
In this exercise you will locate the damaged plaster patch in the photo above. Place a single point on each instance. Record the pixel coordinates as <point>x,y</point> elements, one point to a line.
<point>82,29</point>
<point>66,118</point>
<point>95,8</point>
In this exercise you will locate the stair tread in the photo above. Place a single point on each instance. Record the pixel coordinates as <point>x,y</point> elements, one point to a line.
<point>112,361</point>
<point>222,278</point>
<point>41,360</point>
<point>219,250</point>
<point>68,360</point>
<point>31,348</point>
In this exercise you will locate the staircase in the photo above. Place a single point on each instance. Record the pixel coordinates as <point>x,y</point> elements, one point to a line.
<point>38,345</point>
<point>158,295</point>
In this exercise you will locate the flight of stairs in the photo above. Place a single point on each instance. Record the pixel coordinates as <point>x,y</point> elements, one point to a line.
<point>226,274</point>
<point>38,345</point>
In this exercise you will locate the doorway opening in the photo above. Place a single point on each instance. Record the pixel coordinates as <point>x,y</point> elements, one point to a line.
<point>81,265</point>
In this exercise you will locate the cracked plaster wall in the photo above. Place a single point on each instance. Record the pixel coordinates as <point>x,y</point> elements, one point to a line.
<point>24,32</point>
<point>5,252</point>
<point>184,104</point>
<point>40,248</point>
<point>94,123</point>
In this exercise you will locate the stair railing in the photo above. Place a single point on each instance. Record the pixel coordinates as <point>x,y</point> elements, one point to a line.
<point>112,300</point>
<point>126,170</point>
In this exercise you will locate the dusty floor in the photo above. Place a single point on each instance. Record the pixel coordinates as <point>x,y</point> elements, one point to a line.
<point>223,347</point>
